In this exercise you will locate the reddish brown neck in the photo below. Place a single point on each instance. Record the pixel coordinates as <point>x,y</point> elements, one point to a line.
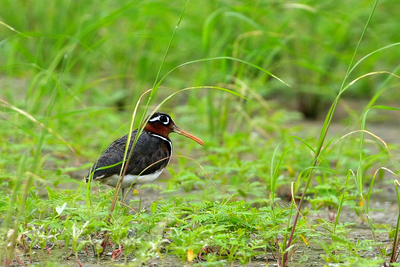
<point>156,129</point>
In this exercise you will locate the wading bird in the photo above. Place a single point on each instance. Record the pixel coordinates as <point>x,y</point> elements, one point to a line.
<point>150,156</point>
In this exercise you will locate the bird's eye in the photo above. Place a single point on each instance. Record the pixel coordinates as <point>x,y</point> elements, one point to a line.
<point>164,120</point>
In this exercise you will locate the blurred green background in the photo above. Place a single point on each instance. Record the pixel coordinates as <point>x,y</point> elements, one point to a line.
<point>79,68</point>
<point>71,73</point>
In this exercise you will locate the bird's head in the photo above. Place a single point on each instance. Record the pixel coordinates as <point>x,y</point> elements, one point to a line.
<point>162,124</point>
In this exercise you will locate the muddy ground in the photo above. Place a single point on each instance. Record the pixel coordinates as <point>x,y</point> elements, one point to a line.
<point>384,209</point>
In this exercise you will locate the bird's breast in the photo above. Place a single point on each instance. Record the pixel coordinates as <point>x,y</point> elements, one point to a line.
<point>130,179</point>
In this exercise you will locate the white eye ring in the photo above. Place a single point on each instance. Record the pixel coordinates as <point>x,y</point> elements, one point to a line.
<point>162,118</point>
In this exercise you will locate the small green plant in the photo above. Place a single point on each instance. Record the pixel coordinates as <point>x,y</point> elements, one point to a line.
<point>72,75</point>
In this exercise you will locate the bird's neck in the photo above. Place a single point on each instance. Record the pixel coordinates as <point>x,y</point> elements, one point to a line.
<point>163,131</point>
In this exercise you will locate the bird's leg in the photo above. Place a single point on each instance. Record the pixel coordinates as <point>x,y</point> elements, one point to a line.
<point>122,194</point>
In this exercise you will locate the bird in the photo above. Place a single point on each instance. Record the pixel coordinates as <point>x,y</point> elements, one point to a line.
<point>151,154</point>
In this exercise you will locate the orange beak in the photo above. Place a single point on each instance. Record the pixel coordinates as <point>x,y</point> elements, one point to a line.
<point>178,130</point>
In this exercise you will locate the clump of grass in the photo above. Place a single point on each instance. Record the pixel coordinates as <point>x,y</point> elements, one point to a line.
<point>70,79</point>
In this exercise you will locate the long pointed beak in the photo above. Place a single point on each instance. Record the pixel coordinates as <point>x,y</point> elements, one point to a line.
<point>178,130</point>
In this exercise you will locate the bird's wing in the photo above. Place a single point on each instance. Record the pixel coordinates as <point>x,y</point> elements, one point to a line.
<point>149,155</point>
<point>110,162</point>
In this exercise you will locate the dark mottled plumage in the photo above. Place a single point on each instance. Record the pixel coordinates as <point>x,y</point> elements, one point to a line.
<point>148,150</point>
